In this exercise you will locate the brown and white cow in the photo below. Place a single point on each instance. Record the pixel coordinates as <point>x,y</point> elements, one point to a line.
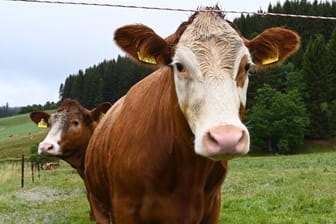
<point>71,128</point>
<point>160,154</point>
<point>51,165</point>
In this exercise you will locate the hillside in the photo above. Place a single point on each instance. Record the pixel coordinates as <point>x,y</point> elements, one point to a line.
<point>16,125</point>
<point>17,134</point>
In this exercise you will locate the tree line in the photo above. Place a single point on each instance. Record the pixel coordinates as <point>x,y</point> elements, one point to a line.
<point>36,107</point>
<point>285,105</point>
<point>6,110</point>
<point>298,99</point>
<point>107,81</point>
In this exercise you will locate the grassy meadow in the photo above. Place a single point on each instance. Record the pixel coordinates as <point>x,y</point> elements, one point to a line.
<point>258,189</point>
<point>16,125</point>
<point>281,189</point>
<point>17,135</point>
<point>272,189</point>
<point>58,196</point>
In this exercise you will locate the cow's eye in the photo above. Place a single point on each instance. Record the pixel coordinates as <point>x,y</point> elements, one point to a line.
<point>182,72</point>
<point>180,67</point>
<point>75,123</point>
<point>247,66</point>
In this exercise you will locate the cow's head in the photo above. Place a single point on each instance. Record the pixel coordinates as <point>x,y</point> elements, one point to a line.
<point>71,127</point>
<point>210,62</point>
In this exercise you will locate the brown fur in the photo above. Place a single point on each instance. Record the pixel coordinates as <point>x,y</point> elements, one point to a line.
<point>273,41</point>
<point>242,73</point>
<point>144,41</point>
<point>51,165</point>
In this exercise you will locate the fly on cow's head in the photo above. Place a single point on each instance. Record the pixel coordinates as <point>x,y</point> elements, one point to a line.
<point>210,62</point>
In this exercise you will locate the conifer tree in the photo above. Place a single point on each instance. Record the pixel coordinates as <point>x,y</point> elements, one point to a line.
<point>316,72</point>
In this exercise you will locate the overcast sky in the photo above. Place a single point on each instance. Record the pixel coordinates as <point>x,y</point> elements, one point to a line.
<point>41,44</point>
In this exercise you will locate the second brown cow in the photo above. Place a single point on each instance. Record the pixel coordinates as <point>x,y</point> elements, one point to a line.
<point>71,128</point>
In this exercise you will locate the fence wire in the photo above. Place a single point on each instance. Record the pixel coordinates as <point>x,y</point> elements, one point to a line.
<point>176,9</point>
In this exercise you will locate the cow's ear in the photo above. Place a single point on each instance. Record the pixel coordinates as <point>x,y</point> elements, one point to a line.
<point>143,45</point>
<point>39,117</point>
<point>100,110</point>
<point>273,46</point>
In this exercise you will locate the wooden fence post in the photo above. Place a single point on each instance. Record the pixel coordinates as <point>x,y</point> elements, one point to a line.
<point>22,171</point>
<point>38,170</point>
<point>32,170</point>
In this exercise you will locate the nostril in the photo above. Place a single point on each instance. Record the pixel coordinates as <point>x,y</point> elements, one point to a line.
<point>46,147</point>
<point>243,142</point>
<point>242,137</point>
<point>212,139</point>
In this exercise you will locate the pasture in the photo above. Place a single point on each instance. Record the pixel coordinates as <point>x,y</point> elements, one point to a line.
<point>17,134</point>
<point>58,196</point>
<point>258,189</point>
<point>16,125</point>
<point>271,189</point>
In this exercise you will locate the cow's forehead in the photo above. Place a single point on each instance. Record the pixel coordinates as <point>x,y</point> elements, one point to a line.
<point>209,24</point>
<point>215,43</point>
<point>60,116</point>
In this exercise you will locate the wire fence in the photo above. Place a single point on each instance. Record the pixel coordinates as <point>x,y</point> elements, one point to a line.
<point>175,9</point>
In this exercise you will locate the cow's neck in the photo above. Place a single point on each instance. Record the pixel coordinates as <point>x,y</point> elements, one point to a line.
<point>76,160</point>
<point>172,133</point>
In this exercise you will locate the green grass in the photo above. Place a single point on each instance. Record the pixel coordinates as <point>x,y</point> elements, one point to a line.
<point>281,189</point>
<point>273,189</point>
<point>57,197</point>
<point>17,134</point>
<point>16,125</point>
<point>15,146</point>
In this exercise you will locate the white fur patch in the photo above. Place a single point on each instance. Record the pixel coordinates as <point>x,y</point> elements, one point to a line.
<point>54,135</point>
<point>209,97</point>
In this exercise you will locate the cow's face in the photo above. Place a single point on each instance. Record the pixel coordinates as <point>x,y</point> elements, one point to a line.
<point>210,68</point>
<point>210,62</point>
<point>71,128</point>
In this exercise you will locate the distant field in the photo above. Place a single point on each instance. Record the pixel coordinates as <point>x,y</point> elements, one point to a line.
<point>297,189</point>
<point>16,125</point>
<point>17,135</point>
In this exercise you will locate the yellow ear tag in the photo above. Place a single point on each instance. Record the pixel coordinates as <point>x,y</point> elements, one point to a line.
<point>270,60</point>
<point>147,59</point>
<point>42,124</point>
<point>101,116</point>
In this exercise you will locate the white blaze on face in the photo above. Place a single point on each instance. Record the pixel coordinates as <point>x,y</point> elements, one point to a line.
<point>206,63</point>
<point>50,145</point>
